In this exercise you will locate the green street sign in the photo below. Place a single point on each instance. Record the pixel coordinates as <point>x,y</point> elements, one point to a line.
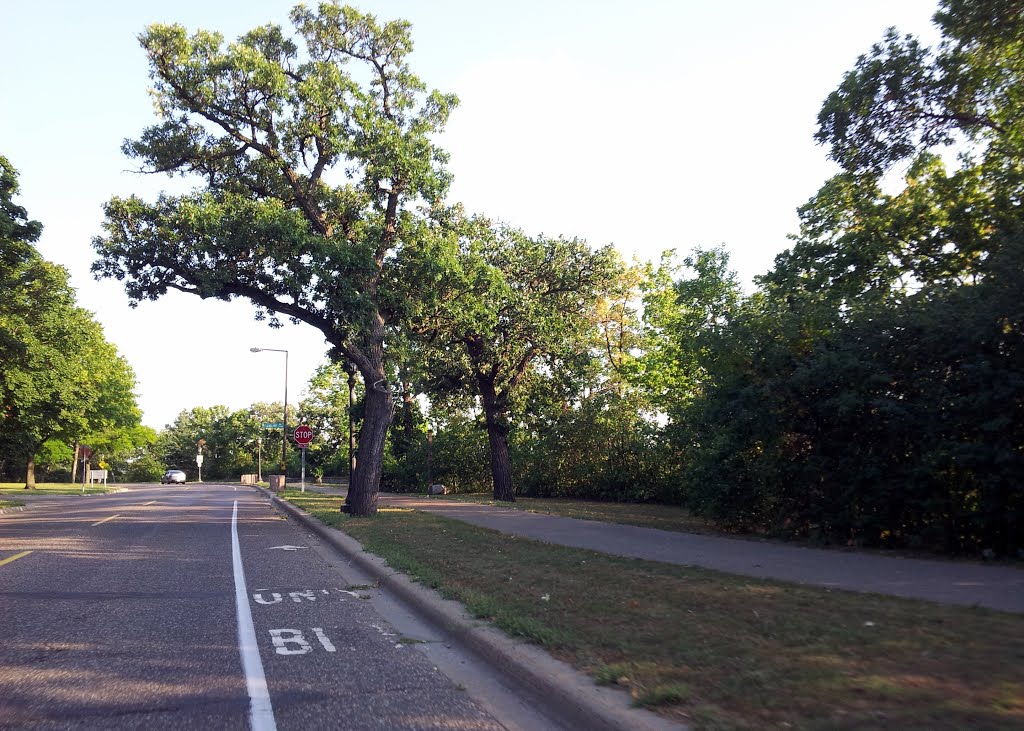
<point>273,425</point>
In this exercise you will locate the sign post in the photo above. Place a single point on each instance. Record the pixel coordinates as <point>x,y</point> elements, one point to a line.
<point>303,435</point>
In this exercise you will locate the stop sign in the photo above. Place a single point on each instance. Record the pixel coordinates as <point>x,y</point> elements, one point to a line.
<point>302,435</point>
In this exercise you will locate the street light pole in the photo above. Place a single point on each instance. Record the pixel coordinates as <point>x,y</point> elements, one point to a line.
<point>284,423</point>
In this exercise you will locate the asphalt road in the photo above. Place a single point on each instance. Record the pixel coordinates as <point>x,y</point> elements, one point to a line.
<point>198,607</point>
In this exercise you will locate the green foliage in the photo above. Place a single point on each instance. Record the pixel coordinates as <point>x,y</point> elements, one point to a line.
<point>679,315</point>
<point>310,175</point>
<point>507,308</point>
<point>460,455</point>
<point>17,232</point>
<point>859,246</point>
<point>903,98</point>
<point>230,442</point>
<point>405,464</point>
<point>898,427</point>
<point>60,380</point>
<point>599,449</point>
<point>143,465</point>
<point>54,457</point>
<point>872,392</point>
<point>325,409</point>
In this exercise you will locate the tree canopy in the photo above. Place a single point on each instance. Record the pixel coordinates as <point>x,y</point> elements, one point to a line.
<point>506,306</point>
<point>59,377</point>
<point>873,391</point>
<point>902,98</point>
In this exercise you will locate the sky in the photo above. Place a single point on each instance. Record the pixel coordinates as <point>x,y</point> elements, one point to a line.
<point>649,124</point>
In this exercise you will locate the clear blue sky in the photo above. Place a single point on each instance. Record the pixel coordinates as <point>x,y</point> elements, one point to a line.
<point>650,124</point>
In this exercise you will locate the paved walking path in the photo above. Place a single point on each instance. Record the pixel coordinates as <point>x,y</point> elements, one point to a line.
<point>995,587</point>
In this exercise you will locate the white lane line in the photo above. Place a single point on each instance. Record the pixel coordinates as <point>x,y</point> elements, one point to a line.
<point>261,713</point>
<point>101,522</point>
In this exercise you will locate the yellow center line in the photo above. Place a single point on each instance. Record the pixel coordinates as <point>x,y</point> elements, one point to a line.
<point>105,520</point>
<point>15,557</point>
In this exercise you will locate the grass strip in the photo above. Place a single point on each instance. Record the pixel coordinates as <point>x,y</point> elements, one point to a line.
<point>10,504</point>
<point>715,650</point>
<point>663,517</point>
<point>49,488</point>
<point>675,518</point>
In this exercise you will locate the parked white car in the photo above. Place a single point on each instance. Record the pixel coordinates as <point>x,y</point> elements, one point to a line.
<point>172,476</point>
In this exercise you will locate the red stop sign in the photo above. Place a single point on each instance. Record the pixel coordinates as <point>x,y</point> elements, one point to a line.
<point>302,435</point>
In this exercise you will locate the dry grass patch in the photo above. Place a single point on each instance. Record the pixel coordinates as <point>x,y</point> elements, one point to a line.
<point>716,650</point>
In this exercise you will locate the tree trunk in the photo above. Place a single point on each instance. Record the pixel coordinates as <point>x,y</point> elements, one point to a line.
<point>351,433</point>
<point>497,438</point>
<point>377,412</point>
<point>30,474</point>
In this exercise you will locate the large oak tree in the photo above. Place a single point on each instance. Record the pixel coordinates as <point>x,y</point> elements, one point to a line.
<point>313,153</point>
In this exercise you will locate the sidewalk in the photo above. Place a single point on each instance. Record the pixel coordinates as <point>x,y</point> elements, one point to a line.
<point>994,587</point>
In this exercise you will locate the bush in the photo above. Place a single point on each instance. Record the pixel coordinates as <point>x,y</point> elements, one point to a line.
<point>602,450</point>
<point>898,427</point>
<point>143,468</point>
<point>461,456</point>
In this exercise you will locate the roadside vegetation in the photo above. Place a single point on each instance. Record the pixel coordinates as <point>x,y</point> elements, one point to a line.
<point>680,519</point>
<point>714,650</point>
<point>15,489</point>
<point>645,515</point>
<point>10,491</point>
<point>866,391</point>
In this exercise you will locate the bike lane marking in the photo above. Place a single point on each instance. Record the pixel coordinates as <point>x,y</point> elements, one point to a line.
<point>15,557</point>
<point>261,712</point>
<point>293,641</point>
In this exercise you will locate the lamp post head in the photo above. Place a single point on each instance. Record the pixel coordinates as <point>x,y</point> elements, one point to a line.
<point>255,350</point>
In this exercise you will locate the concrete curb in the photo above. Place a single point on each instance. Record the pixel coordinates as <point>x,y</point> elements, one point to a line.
<point>567,693</point>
